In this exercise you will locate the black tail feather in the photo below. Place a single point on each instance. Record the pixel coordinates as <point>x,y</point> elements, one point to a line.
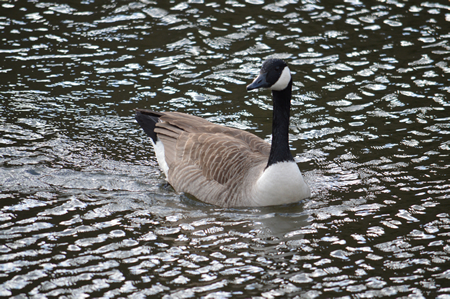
<point>147,119</point>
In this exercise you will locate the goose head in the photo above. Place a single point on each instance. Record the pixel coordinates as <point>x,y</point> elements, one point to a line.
<point>274,75</point>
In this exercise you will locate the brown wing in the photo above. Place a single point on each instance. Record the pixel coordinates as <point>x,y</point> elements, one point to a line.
<point>193,124</point>
<point>205,159</point>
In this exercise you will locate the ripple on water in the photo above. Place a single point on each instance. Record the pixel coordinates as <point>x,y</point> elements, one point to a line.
<point>85,210</point>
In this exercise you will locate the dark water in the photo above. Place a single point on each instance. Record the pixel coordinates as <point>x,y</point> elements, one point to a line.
<point>85,211</point>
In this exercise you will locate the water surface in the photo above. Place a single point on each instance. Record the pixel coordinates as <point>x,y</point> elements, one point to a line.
<point>86,212</point>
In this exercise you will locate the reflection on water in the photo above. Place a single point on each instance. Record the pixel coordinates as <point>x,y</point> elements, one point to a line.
<point>86,212</point>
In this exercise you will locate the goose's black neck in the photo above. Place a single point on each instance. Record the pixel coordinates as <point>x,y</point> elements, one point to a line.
<point>279,151</point>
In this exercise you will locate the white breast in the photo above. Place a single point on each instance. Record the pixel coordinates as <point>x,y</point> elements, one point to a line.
<point>281,183</point>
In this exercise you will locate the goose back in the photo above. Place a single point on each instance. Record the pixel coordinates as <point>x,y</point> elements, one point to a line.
<point>217,164</point>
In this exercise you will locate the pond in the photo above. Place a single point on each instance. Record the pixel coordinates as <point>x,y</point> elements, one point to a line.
<point>86,211</point>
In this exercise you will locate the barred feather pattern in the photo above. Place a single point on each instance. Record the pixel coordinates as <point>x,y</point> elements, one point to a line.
<point>211,161</point>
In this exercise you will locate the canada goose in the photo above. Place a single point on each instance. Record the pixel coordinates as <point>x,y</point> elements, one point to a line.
<point>225,166</point>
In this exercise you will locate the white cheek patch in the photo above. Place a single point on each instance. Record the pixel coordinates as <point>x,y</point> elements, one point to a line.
<point>283,81</point>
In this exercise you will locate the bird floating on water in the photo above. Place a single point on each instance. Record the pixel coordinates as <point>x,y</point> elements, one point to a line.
<point>226,166</point>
